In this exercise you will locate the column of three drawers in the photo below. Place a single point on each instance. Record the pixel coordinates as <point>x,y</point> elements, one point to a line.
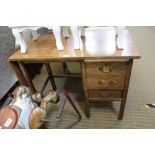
<point>105,80</point>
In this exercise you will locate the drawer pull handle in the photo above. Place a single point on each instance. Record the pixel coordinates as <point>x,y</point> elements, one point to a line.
<point>109,94</point>
<point>104,69</point>
<point>100,82</point>
<point>111,83</point>
<point>100,68</point>
<point>102,94</point>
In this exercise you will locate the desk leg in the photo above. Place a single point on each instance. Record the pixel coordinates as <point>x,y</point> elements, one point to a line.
<point>87,107</point>
<point>50,74</point>
<point>125,92</point>
<point>27,77</point>
<point>18,72</point>
<point>87,104</point>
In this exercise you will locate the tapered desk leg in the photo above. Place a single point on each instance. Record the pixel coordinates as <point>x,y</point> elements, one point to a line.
<point>75,108</point>
<point>87,107</point>
<point>50,74</point>
<point>18,72</point>
<point>27,77</point>
<point>125,92</point>
<point>87,104</point>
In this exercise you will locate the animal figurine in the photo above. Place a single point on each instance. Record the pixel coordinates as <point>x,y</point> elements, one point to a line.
<point>29,114</point>
<point>77,32</point>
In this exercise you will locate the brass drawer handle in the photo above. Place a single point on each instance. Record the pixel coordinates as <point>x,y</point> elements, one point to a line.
<point>109,94</point>
<point>101,94</point>
<point>100,69</point>
<point>111,83</point>
<point>104,69</point>
<point>100,82</point>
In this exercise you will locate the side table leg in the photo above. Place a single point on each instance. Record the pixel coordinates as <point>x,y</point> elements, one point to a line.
<point>87,104</point>
<point>126,86</point>
<point>50,74</point>
<point>87,107</point>
<point>27,77</point>
<point>75,108</point>
<point>15,67</point>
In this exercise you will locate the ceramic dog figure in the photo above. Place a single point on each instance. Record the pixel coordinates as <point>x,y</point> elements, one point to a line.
<point>28,112</point>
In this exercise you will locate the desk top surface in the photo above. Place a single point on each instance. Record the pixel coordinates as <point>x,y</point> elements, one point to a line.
<point>95,45</point>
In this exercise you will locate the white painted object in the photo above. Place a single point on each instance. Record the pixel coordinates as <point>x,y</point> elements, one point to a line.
<point>77,32</point>
<point>18,33</point>
<point>120,36</point>
<point>57,34</point>
<point>91,43</point>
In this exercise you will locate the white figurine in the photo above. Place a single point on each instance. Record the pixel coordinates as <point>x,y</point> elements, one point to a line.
<point>77,32</point>
<point>120,35</point>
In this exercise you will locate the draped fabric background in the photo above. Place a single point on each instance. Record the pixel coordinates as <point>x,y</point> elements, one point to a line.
<point>7,48</point>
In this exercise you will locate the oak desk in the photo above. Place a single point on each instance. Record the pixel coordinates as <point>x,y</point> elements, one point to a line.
<point>105,70</point>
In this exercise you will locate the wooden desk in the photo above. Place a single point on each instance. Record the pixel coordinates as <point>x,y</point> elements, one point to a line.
<point>106,70</point>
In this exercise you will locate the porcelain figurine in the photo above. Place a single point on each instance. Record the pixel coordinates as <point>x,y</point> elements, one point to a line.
<point>29,113</point>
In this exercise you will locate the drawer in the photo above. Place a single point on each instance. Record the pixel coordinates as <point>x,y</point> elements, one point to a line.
<point>106,82</point>
<point>105,94</point>
<point>102,68</point>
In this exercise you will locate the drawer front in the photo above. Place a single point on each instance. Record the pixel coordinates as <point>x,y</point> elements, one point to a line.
<point>102,68</point>
<point>104,94</point>
<point>106,82</point>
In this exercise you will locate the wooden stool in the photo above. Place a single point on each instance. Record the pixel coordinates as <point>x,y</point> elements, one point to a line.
<point>66,97</point>
<point>50,77</point>
<point>60,111</point>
